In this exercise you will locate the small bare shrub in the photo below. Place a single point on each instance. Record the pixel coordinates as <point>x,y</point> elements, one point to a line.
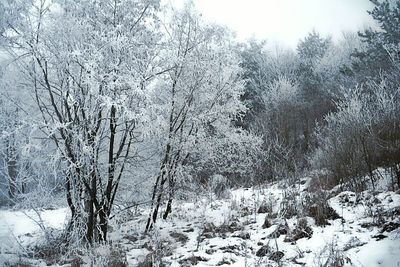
<point>316,206</point>
<point>302,230</point>
<point>289,204</point>
<point>331,256</point>
<point>219,185</point>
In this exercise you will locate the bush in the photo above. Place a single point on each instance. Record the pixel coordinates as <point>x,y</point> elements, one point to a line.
<point>302,230</point>
<point>316,206</point>
<point>290,204</point>
<point>219,185</point>
<point>362,135</point>
<point>331,256</point>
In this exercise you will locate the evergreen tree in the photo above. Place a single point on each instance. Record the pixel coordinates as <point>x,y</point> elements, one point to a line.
<point>381,44</point>
<point>310,51</point>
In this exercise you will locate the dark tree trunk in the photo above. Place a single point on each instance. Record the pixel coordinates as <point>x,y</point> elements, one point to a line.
<point>103,223</point>
<point>90,220</point>
<point>12,178</point>
<point>158,190</point>
<point>397,171</point>
<point>168,209</point>
<point>368,161</point>
<point>157,203</point>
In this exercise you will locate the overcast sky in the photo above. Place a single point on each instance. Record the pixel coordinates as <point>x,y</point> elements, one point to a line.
<point>285,21</point>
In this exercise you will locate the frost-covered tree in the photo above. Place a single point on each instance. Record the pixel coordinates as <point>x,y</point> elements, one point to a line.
<point>260,68</point>
<point>27,178</point>
<point>282,126</point>
<point>12,139</point>
<point>362,135</point>
<point>335,68</point>
<point>264,71</point>
<point>363,132</point>
<point>199,97</point>
<point>89,64</point>
<point>8,154</point>
<point>10,142</point>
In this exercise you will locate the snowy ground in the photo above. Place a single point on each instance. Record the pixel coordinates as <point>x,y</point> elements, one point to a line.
<point>229,232</point>
<point>347,237</point>
<point>21,226</point>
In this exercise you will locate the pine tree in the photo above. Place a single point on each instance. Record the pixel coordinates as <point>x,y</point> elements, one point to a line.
<point>380,43</point>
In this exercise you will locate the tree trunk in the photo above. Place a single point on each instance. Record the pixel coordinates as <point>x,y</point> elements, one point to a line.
<point>171,181</point>
<point>168,209</point>
<point>397,171</point>
<point>158,190</point>
<point>368,162</point>
<point>12,178</point>
<point>103,223</point>
<point>158,202</point>
<point>90,220</point>
<point>155,189</point>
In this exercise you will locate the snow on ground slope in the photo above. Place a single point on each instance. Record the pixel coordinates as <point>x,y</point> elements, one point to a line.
<point>24,227</point>
<point>232,232</point>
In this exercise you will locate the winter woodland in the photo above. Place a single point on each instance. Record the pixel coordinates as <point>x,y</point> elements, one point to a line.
<point>134,133</point>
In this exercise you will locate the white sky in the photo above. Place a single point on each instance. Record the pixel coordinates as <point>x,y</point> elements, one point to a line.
<point>284,22</point>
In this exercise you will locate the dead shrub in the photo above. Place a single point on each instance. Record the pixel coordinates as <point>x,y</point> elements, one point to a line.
<point>52,249</point>
<point>302,230</point>
<point>290,204</point>
<point>330,255</point>
<point>316,206</point>
<point>192,260</point>
<point>179,237</point>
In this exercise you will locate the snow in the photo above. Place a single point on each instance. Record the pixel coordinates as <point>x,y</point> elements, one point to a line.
<point>21,226</point>
<point>337,235</point>
<point>24,222</point>
<point>235,231</point>
<point>384,253</point>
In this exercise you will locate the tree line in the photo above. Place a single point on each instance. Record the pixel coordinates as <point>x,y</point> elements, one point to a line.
<point>106,102</point>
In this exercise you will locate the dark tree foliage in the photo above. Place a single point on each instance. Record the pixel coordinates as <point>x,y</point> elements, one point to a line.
<point>382,44</point>
<point>313,89</point>
<point>252,59</point>
<point>310,51</point>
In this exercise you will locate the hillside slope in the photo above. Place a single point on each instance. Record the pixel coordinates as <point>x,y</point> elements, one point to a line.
<point>274,225</point>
